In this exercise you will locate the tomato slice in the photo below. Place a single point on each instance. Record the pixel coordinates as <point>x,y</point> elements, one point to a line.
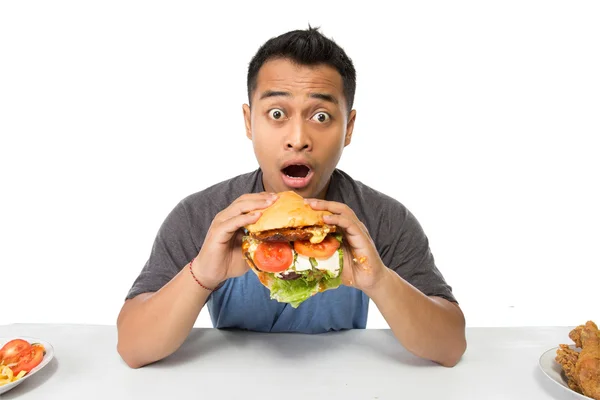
<point>320,251</point>
<point>29,359</point>
<point>9,353</point>
<point>273,256</point>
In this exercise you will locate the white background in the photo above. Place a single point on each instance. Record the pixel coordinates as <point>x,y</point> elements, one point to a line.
<point>481,117</point>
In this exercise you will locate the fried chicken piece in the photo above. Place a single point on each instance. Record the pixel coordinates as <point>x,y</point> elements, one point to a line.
<point>583,369</point>
<point>587,369</point>
<point>567,358</point>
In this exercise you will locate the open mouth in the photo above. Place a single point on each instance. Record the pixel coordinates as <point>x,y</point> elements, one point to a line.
<point>296,171</point>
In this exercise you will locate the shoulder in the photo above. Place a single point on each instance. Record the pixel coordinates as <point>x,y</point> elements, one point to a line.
<point>222,194</point>
<point>211,200</point>
<point>386,218</point>
<point>371,203</point>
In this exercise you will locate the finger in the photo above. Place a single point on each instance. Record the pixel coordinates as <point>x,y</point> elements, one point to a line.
<point>247,205</point>
<point>226,230</point>
<point>250,196</point>
<point>350,225</point>
<point>351,218</point>
<point>331,206</point>
<point>251,204</point>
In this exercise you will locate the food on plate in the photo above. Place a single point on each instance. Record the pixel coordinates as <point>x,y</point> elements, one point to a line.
<point>292,251</point>
<point>7,376</point>
<point>17,358</point>
<point>582,368</point>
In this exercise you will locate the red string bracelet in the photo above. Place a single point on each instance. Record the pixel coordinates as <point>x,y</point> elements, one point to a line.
<point>196,279</point>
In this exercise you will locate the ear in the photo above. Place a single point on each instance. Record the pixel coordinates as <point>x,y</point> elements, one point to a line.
<point>247,121</point>
<point>350,128</point>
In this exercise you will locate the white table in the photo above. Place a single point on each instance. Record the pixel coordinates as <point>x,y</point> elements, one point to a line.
<point>500,363</point>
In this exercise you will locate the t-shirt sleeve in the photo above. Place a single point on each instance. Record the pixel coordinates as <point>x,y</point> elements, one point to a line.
<point>172,249</point>
<point>408,253</point>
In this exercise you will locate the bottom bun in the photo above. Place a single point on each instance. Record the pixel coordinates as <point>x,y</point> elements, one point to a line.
<point>264,277</point>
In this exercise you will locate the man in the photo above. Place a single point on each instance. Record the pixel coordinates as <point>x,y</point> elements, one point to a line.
<point>301,89</point>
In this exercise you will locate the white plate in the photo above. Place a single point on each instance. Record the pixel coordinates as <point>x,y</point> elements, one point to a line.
<point>47,358</point>
<point>554,372</point>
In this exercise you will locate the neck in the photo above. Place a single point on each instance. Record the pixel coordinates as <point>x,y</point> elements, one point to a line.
<point>323,194</point>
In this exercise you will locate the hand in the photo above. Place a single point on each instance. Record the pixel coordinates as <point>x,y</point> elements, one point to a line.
<point>221,255</point>
<point>363,267</point>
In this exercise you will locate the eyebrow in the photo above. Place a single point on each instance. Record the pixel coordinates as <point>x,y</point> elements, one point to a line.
<point>322,96</point>
<point>274,93</point>
<point>325,97</point>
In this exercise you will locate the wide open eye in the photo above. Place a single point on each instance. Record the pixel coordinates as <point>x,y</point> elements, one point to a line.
<point>276,114</point>
<point>321,117</point>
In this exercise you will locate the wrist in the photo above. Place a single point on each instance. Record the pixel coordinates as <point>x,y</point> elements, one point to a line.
<point>202,277</point>
<point>379,283</point>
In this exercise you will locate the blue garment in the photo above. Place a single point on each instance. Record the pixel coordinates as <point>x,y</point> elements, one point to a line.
<point>232,304</point>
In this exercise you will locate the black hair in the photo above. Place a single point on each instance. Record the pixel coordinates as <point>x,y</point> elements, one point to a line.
<point>305,47</point>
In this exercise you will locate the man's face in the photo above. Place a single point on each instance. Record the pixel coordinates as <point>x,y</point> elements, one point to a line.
<point>299,125</point>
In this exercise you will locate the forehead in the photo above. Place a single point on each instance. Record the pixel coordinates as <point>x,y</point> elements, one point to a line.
<point>299,80</point>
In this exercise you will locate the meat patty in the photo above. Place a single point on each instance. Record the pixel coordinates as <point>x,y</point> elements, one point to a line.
<point>292,234</point>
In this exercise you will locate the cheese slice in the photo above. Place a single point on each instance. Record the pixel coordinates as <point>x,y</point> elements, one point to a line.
<point>332,264</point>
<point>318,232</point>
<point>302,263</point>
<point>252,247</point>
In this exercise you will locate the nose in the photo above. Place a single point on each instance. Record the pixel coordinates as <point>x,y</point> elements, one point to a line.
<point>298,138</point>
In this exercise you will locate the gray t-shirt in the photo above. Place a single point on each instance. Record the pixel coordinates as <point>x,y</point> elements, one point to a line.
<point>243,303</point>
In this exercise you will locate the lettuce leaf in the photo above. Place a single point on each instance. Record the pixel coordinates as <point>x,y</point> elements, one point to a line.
<point>299,290</point>
<point>332,283</point>
<point>338,236</point>
<point>294,292</point>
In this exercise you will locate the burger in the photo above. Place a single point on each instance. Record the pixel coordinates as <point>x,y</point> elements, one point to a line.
<point>292,251</point>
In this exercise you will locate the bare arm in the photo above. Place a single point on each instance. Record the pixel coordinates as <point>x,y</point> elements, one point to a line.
<point>152,326</point>
<point>429,327</point>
